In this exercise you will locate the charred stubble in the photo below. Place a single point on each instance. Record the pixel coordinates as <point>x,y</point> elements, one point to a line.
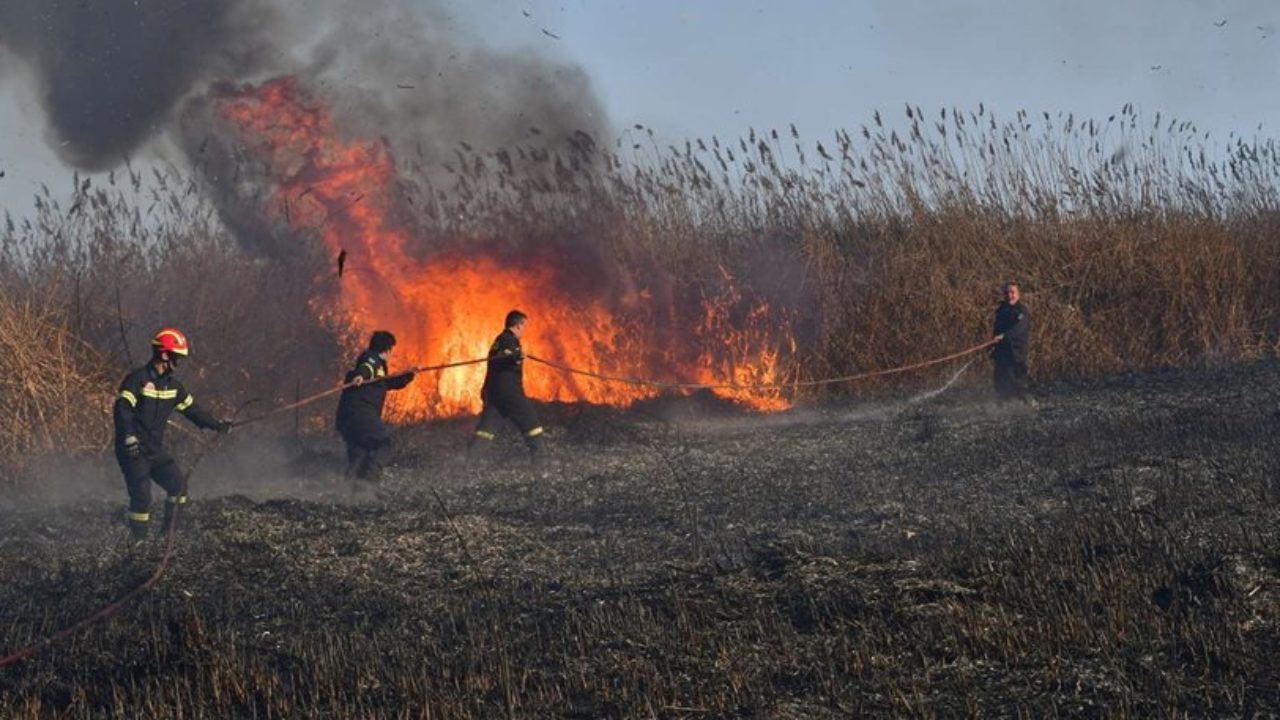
<point>1114,555</point>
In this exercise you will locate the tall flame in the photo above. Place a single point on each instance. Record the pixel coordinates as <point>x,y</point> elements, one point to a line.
<point>448,307</point>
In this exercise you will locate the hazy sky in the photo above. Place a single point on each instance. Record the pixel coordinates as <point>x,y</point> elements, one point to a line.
<point>702,67</point>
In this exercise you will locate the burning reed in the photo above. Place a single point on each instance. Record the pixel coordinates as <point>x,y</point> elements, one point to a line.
<point>766,257</point>
<point>756,262</point>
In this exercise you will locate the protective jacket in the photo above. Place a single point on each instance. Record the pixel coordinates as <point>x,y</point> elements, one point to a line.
<point>1014,322</point>
<point>503,393</point>
<point>145,402</point>
<point>360,407</point>
<point>504,376</point>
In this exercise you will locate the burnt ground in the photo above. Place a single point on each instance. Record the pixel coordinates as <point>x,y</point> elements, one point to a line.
<point>1115,554</point>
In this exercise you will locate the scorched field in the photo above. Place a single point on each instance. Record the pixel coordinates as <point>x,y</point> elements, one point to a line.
<point>1115,554</point>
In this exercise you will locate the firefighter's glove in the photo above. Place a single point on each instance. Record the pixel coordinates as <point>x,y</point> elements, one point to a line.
<point>223,427</point>
<point>132,448</point>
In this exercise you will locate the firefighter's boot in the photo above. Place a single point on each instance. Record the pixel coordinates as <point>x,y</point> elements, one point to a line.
<point>537,455</point>
<point>370,470</point>
<point>138,526</point>
<point>480,446</point>
<point>173,507</point>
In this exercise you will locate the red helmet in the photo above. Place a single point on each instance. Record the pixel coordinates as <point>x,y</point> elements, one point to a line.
<point>171,340</point>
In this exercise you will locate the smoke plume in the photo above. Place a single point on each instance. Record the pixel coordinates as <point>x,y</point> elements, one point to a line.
<point>111,72</point>
<point>425,84</point>
<point>416,81</point>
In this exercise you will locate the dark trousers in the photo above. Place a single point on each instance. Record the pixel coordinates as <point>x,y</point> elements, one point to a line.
<point>519,411</point>
<point>367,451</point>
<point>1010,377</point>
<point>139,473</point>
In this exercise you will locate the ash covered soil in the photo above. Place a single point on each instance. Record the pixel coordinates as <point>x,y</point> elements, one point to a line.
<point>1115,554</point>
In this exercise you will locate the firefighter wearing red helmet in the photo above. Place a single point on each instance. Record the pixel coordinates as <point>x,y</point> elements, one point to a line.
<point>147,397</point>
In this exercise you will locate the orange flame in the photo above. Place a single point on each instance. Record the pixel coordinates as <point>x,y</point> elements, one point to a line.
<point>449,307</point>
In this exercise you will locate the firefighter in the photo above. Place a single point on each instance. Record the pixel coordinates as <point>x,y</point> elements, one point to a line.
<point>359,418</point>
<point>503,390</point>
<point>1009,355</point>
<point>147,396</point>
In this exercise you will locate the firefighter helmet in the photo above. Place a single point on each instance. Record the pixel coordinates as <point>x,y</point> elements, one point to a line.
<point>171,340</point>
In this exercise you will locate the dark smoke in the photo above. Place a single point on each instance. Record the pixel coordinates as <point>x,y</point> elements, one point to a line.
<point>111,71</point>
<point>115,74</point>
<point>418,81</point>
<point>427,84</point>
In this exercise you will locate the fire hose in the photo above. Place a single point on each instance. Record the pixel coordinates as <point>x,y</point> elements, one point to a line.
<point>765,386</point>
<point>667,385</point>
<point>115,606</point>
<point>335,390</point>
<point>105,611</point>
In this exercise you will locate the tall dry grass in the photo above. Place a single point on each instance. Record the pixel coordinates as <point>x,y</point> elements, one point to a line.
<point>50,396</point>
<point>1139,243</point>
<point>108,267</point>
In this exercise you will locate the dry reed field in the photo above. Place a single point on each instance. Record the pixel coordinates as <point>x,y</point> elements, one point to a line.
<point>1134,247</point>
<point>49,385</point>
<point>869,552</point>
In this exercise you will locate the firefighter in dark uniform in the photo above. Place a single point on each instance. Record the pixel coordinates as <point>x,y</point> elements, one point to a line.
<point>1009,355</point>
<point>360,408</point>
<point>503,390</point>
<point>147,397</point>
